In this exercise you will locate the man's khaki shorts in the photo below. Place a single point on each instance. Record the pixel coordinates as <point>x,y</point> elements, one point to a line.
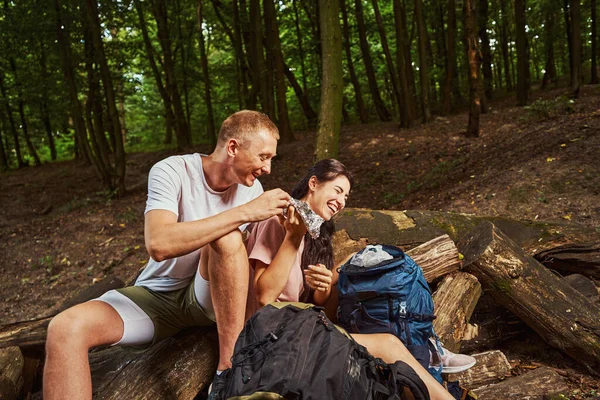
<point>170,312</point>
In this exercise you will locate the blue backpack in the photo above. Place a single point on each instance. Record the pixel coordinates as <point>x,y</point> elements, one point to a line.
<point>391,296</point>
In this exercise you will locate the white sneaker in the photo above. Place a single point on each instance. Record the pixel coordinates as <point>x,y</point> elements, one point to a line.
<point>453,363</point>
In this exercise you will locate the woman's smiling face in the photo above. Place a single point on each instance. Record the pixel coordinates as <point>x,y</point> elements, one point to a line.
<point>328,198</point>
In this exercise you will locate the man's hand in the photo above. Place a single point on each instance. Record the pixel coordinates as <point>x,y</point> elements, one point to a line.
<point>268,204</point>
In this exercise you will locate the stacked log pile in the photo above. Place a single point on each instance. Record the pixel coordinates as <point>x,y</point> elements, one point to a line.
<point>509,261</point>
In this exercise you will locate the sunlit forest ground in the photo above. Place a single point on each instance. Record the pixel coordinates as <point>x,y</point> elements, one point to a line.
<point>59,231</point>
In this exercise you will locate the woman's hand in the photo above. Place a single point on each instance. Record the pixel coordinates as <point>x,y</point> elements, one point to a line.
<point>318,277</point>
<point>293,224</point>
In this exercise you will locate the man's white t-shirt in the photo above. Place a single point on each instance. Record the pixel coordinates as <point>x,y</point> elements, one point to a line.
<point>178,184</point>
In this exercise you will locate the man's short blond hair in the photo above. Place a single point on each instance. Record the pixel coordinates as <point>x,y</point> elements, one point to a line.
<point>245,124</point>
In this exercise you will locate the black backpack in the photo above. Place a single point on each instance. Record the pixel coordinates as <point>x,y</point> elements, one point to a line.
<point>295,351</point>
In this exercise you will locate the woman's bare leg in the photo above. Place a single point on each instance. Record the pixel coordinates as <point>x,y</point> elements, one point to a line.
<point>390,349</point>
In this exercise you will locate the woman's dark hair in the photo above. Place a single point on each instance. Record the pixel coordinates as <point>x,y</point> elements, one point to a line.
<point>319,250</point>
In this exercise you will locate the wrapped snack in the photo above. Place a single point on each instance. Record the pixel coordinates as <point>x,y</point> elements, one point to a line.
<point>312,221</point>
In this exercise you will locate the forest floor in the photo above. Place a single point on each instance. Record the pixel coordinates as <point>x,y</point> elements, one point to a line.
<point>60,231</point>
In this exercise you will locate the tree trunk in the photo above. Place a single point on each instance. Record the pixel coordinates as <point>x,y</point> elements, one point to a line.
<point>566,14</point>
<point>423,67</point>
<point>522,54</point>
<point>491,367</point>
<point>450,58</point>
<point>175,368</point>
<point>405,103</point>
<point>242,65</point>
<point>561,315</point>
<point>486,51</point>
<point>11,373</point>
<point>388,56</point>
<point>332,84</point>
<point>504,21</point>
<point>118,182</point>
<point>21,104</point>
<point>301,53</point>
<point>550,68</point>
<point>455,299</point>
<point>44,103</point>
<point>169,116</point>
<point>540,383</point>
<point>210,119</point>
<point>256,54</point>
<point>13,127</point>
<point>411,228</point>
<point>382,111</point>
<point>94,112</point>
<point>309,113</point>
<point>182,129</point>
<point>64,44</point>
<point>474,78</point>
<point>594,33</point>
<point>274,45</point>
<point>576,76</point>
<point>4,161</point>
<point>360,105</point>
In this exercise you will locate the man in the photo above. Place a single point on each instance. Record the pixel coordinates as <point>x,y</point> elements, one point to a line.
<point>198,271</point>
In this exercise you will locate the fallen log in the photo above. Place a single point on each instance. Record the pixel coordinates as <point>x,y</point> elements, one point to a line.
<point>33,332</point>
<point>536,384</point>
<point>583,285</point>
<point>455,299</point>
<point>436,257</point>
<point>491,367</point>
<point>573,258</point>
<point>561,315</point>
<point>410,228</point>
<point>175,368</point>
<point>11,368</point>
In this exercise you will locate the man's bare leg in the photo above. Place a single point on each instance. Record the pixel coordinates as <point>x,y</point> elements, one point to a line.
<point>390,349</point>
<point>228,271</point>
<point>70,336</point>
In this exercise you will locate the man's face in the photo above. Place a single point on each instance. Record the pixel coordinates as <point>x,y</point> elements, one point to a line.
<point>254,156</point>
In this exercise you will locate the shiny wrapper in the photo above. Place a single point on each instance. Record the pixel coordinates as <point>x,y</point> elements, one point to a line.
<point>311,219</point>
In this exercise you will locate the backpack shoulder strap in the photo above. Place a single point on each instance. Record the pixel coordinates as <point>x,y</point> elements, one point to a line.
<point>404,375</point>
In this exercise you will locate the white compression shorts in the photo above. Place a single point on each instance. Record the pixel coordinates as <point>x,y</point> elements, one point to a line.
<point>138,328</point>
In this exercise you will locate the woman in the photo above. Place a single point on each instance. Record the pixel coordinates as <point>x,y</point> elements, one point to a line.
<point>289,265</point>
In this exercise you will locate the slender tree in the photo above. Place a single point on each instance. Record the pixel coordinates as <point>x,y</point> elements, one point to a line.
<point>21,108</point>
<point>169,116</point>
<point>382,110</point>
<point>550,66</point>
<point>486,51</point>
<point>576,76</point>
<point>360,105</point>
<point>4,162</point>
<point>387,54</point>
<point>594,33</point>
<point>522,54</point>
<point>210,119</point>
<point>274,45</point>
<point>44,112</point>
<point>450,58</point>
<point>330,113</point>
<point>406,114</point>
<point>118,182</point>
<point>182,129</point>
<point>474,78</point>
<point>504,44</point>
<point>300,45</point>
<point>309,113</point>
<point>12,125</point>
<point>423,66</point>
